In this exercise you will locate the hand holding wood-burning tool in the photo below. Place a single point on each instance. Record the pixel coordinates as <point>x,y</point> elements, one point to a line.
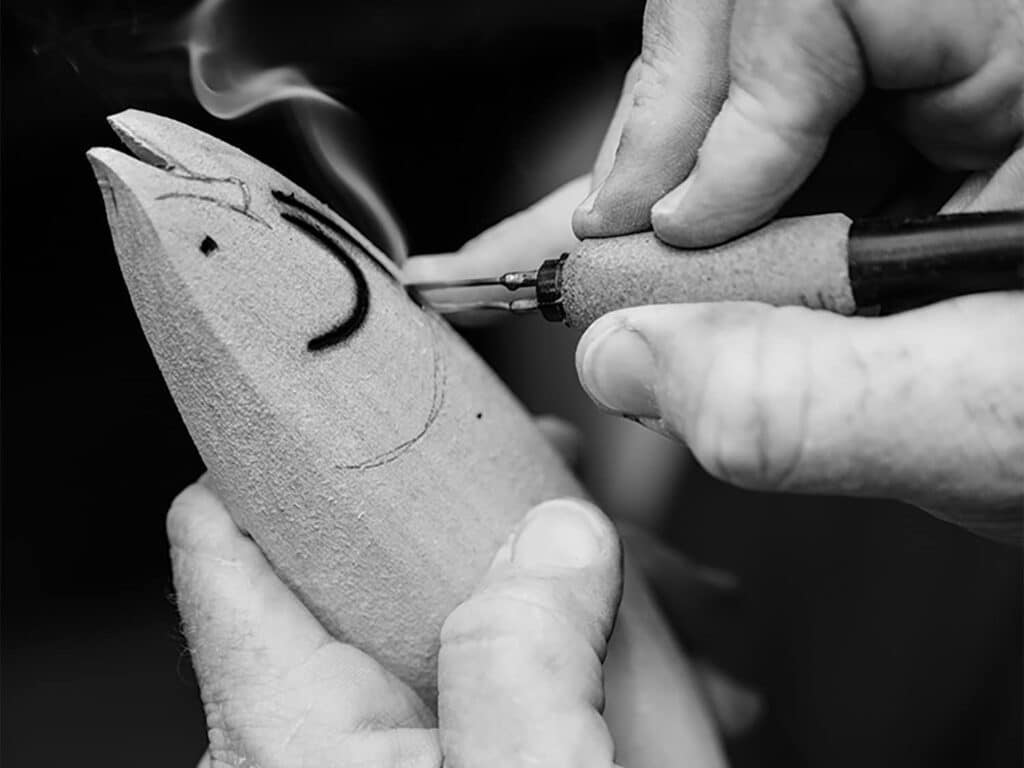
<point>925,406</point>
<point>731,105</point>
<point>819,262</point>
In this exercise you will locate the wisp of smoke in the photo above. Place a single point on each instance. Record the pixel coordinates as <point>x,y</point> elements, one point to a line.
<point>228,85</point>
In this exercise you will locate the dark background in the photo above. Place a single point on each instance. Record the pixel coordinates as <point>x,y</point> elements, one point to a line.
<point>878,635</point>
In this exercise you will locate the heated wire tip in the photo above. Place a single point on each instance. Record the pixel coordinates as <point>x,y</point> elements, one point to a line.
<point>513,281</point>
<point>517,307</point>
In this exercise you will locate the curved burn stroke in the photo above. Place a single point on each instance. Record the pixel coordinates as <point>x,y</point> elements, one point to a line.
<point>289,199</point>
<point>360,308</point>
<point>357,316</point>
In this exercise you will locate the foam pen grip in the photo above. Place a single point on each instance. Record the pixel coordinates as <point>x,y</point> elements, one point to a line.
<point>799,261</point>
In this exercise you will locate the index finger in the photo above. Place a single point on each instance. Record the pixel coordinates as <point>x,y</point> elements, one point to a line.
<point>678,86</point>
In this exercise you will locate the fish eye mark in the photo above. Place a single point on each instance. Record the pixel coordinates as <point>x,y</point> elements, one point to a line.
<point>347,327</point>
<point>208,246</point>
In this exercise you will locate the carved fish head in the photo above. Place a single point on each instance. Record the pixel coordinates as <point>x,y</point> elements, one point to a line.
<point>266,271</point>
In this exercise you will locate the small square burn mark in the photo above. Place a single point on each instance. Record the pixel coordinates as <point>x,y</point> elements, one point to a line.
<point>208,246</point>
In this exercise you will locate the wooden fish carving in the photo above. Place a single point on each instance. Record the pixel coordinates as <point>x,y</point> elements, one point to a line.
<point>372,456</point>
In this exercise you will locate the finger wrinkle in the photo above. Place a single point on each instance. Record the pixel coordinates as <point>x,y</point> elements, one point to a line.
<point>539,654</point>
<point>793,132</point>
<point>736,402</point>
<point>780,446</point>
<point>988,421</point>
<point>296,727</point>
<point>494,614</point>
<point>209,557</point>
<point>398,748</point>
<point>506,611</point>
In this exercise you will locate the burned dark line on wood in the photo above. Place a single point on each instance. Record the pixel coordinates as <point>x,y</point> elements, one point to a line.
<point>357,316</point>
<point>324,220</point>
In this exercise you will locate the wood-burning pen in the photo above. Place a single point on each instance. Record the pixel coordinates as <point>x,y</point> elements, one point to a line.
<point>823,262</point>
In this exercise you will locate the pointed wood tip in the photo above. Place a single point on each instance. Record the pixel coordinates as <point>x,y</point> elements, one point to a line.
<point>148,136</point>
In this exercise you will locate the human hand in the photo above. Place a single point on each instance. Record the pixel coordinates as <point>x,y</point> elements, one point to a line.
<point>519,669</point>
<point>755,88</point>
<point>926,406</point>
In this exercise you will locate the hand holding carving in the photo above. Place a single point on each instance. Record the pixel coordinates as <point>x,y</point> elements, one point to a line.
<point>520,675</point>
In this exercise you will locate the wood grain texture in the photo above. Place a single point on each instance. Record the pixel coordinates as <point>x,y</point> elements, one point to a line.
<point>379,474</point>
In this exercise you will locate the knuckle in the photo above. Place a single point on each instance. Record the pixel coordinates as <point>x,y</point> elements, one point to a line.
<point>585,738</point>
<point>662,60</point>
<point>990,394</point>
<point>678,41</point>
<point>660,48</point>
<point>499,611</point>
<point>758,113</point>
<point>225,736</point>
<point>510,655</point>
<point>748,413</point>
<point>801,70</point>
<point>651,84</point>
<point>524,621</point>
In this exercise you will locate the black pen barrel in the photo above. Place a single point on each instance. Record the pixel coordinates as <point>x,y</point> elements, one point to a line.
<point>895,262</point>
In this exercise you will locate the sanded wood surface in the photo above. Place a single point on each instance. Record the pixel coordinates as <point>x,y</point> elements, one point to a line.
<point>379,472</point>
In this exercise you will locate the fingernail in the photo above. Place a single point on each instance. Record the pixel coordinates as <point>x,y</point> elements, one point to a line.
<point>561,534</point>
<point>617,369</point>
<point>667,209</point>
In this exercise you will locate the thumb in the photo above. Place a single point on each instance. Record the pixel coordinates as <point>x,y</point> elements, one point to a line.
<point>926,406</point>
<point>796,71</point>
<point>520,677</point>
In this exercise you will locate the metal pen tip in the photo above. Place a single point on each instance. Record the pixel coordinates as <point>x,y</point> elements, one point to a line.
<point>466,283</point>
<point>513,281</point>
<point>517,307</point>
